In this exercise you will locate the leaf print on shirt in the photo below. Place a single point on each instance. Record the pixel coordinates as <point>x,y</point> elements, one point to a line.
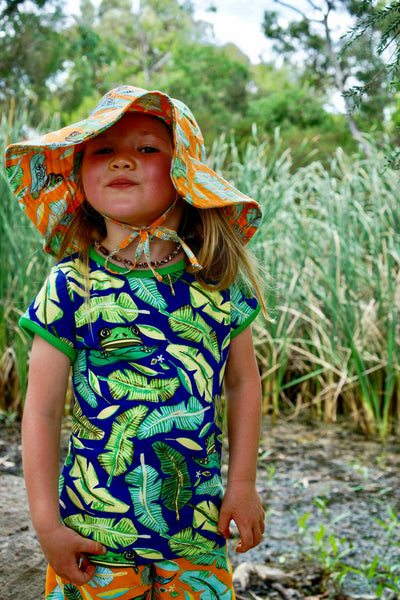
<point>213,487</point>
<point>217,556</point>
<point>114,308</point>
<point>82,427</point>
<point>106,531</point>
<point>146,289</point>
<point>176,489</point>
<point>241,310</point>
<point>187,416</point>
<point>206,516</point>
<point>195,363</point>
<point>145,490</point>
<point>219,412</point>
<point>213,458</point>
<point>210,302</point>
<point>47,302</point>
<point>152,332</point>
<point>194,329</point>
<point>86,484</point>
<point>81,382</point>
<point>187,543</point>
<point>119,447</point>
<point>99,280</point>
<point>129,385</point>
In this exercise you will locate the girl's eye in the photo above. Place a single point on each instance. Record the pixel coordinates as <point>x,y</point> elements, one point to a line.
<point>103,151</point>
<point>148,149</point>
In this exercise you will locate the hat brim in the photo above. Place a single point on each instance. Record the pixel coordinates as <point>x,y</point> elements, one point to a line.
<point>44,173</point>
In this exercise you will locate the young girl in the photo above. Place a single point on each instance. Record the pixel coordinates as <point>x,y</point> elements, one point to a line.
<point>151,304</point>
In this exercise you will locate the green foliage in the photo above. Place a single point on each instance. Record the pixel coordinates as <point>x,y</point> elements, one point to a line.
<point>24,267</point>
<point>319,541</point>
<point>157,44</point>
<point>386,20</point>
<point>327,62</point>
<point>286,106</point>
<point>32,49</point>
<point>330,249</point>
<point>111,44</point>
<point>212,82</point>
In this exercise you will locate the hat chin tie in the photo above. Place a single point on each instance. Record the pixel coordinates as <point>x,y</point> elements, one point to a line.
<point>145,235</point>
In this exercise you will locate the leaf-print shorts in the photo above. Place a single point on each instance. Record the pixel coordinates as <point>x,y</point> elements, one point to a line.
<point>179,579</point>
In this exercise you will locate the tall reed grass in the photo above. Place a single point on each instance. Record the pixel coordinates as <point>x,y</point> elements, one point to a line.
<point>329,246</point>
<point>23,268</point>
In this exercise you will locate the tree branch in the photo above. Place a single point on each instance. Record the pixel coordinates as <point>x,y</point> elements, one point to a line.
<point>298,11</point>
<point>313,5</point>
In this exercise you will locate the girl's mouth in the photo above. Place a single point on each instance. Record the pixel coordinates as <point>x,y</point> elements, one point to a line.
<point>121,183</point>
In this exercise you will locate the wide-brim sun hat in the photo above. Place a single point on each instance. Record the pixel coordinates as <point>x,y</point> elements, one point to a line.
<point>44,173</point>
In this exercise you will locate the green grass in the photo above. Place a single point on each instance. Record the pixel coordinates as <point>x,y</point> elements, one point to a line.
<point>23,269</point>
<point>330,248</point>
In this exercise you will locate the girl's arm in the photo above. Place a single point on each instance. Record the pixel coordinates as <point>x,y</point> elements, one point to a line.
<point>41,426</point>
<point>243,400</point>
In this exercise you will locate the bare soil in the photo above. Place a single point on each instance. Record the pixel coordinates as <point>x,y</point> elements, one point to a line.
<point>326,490</point>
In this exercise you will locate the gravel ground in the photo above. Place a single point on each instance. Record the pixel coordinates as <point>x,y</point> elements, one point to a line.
<point>325,490</point>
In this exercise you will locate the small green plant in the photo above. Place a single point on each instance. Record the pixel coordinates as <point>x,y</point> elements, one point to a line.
<point>321,543</point>
<point>8,417</point>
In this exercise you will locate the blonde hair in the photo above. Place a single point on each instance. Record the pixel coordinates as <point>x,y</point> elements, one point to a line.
<point>218,247</point>
<point>221,253</point>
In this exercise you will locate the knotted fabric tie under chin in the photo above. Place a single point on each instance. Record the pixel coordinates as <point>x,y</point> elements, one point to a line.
<point>146,234</point>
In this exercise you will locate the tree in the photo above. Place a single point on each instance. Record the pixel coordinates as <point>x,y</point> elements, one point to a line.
<point>148,34</point>
<point>279,98</point>
<point>327,63</point>
<point>385,19</point>
<point>89,59</point>
<point>213,82</point>
<point>31,49</point>
<point>120,43</point>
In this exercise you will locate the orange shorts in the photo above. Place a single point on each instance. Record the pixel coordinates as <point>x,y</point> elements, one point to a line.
<point>179,579</point>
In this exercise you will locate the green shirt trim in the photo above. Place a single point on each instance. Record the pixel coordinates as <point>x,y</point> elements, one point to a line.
<point>32,328</point>
<point>242,327</point>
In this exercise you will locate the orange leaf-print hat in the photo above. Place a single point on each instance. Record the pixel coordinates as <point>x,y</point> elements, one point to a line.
<point>44,173</point>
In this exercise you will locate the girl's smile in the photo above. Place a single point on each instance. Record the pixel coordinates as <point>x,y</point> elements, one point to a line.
<point>126,171</point>
<point>121,183</point>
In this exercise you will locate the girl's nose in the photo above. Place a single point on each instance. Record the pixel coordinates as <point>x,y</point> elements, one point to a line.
<point>122,161</point>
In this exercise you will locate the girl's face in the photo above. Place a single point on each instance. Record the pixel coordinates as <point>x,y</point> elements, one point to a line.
<point>126,170</point>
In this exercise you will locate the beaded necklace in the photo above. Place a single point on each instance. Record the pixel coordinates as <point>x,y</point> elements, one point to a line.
<point>128,263</point>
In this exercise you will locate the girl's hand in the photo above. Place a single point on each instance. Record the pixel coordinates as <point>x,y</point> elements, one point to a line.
<point>65,550</point>
<point>242,504</point>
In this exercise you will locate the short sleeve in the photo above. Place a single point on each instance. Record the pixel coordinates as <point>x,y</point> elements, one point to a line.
<point>51,314</point>
<point>244,308</point>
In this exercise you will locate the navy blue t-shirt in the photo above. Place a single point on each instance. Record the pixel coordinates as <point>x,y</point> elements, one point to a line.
<point>143,472</point>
